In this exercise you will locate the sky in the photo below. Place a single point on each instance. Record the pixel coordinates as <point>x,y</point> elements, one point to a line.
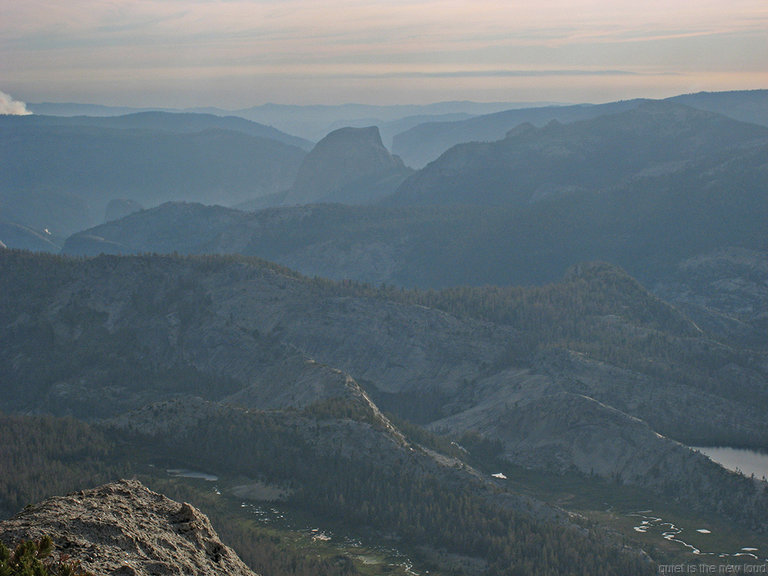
<point>239,53</point>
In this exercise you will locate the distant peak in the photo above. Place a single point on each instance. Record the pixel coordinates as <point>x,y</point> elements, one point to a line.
<point>521,129</point>
<point>369,134</point>
<point>347,157</point>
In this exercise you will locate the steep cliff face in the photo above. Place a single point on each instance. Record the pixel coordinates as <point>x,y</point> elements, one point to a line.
<point>349,165</point>
<point>125,529</point>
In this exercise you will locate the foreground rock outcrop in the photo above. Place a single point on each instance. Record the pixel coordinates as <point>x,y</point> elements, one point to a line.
<point>126,529</point>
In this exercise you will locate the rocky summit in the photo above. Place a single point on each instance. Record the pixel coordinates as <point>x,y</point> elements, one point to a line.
<point>126,529</point>
<point>349,165</point>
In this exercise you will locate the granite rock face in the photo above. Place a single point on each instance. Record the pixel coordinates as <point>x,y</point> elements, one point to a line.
<point>126,529</point>
<point>349,165</point>
<point>725,292</point>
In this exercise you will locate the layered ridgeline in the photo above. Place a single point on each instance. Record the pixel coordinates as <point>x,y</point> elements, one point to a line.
<point>585,375</point>
<point>311,122</point>
<point>225,365</point>
<point>722,286</point>
<point>59,174</point>
<point>423,143</point>
<point>643,189</point>
<point>657,145</point>
<point>652,190</point>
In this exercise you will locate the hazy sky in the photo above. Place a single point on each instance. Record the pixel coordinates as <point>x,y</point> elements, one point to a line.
<point>240,53</point>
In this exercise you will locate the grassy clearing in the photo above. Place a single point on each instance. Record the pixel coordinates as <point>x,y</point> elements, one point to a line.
<point>602,503</point>
<point>289,532</point>
<point>611,505</point>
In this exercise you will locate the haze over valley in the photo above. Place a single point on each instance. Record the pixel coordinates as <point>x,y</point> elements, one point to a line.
<point>383,289</point>
<point>538,321</point>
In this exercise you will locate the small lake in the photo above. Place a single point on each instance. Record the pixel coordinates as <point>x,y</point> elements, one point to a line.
<point>184,473</point>
<point>747,462</point>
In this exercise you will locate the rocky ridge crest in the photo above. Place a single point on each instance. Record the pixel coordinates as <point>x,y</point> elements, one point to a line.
<point>125,529</point>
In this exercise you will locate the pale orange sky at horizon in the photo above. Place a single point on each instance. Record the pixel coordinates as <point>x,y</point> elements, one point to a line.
<point>234,54</point>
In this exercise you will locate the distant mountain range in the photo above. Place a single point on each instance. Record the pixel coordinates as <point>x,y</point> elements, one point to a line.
<point>485,366</point>
<point>310,122</point>
<point>648,146</point>
<point>426,142</point>
<point>420,133</point>
<point>647,189</point>
<point>158,121</point>
<point>60,173</point>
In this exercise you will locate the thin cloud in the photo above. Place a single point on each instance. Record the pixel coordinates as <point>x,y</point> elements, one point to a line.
<point>502,74</point>
<point>207,40</point>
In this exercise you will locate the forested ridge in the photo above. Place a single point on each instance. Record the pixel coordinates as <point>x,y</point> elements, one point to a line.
<point>597,310</point>
<point>110,335</point>
<point>402,498</point>
<point>41,456</point>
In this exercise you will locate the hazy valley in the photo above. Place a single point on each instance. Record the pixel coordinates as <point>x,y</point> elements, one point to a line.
<point>486,351</point>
